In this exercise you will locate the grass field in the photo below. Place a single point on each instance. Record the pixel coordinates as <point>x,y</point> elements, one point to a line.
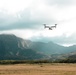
<point>38,69</point>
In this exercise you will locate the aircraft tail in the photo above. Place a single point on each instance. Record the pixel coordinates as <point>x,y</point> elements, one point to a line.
<point>55,25</point>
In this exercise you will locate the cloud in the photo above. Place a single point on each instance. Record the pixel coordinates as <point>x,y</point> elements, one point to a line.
<point>61,3</point>
<point>14,6</point>
<point>26,19</point>
<point>35,13</point>
<point>62,40</point>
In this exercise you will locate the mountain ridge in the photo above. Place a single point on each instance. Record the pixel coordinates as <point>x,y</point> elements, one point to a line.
<point>12,47</point>
<point>16,48</point>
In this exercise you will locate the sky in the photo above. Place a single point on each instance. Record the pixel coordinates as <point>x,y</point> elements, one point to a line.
<point>25,19</point>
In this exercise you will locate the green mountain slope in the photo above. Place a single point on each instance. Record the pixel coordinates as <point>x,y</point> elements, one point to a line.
<point>14,48</point>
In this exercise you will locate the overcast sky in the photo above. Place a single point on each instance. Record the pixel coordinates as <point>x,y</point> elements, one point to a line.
<point>25,18</point>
